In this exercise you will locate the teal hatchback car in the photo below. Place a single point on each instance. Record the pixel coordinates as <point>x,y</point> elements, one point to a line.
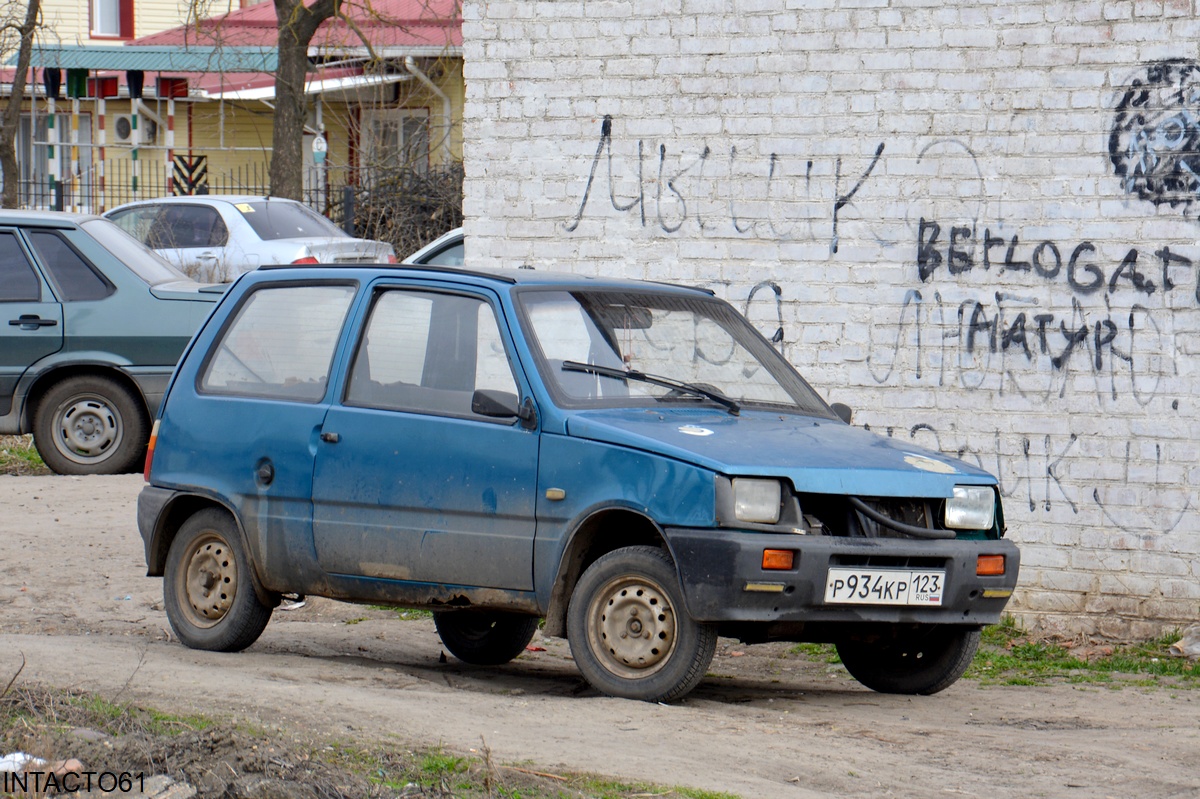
<point>631,462</point>
<point>95,324</point>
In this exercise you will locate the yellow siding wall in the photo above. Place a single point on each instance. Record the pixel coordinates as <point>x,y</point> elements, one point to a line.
<point>236,138</point>
<point>68,21</point>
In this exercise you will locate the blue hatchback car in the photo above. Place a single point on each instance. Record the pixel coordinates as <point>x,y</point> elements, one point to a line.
<point>631,462</point>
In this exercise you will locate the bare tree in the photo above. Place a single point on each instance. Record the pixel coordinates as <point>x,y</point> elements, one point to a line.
<point>298,24</point>
<point>9,171</point>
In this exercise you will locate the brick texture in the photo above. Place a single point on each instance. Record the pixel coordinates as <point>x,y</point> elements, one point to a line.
<point>982,218</point>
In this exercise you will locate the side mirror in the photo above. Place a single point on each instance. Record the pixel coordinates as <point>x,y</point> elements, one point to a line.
<point>844,412</point>
<point>504,405</point>
<point>495,404</point>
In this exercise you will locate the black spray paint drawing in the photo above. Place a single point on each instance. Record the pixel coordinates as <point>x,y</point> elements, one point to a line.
<point>1155,141</point>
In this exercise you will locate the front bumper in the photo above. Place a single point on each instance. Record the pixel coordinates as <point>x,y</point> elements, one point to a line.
<point>723,579</point>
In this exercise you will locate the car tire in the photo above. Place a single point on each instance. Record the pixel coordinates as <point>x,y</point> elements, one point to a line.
<point>90,424</point>
<point>922,660</point>
<point>630,632</point>
<point>485,639</point>
<point>207,586</point>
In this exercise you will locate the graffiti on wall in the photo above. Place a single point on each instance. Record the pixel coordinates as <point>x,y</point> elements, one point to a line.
<point>1155,141</point>
<point>1043,311</point>
<point>695,189</point>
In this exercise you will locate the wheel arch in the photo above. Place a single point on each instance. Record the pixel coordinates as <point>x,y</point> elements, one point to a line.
<point>178,510</point>
<point>599,533</point>
<point>45,381</point>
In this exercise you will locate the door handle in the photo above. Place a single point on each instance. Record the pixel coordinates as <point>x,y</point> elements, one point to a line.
<point>332,438</point>
<point>32,321</point>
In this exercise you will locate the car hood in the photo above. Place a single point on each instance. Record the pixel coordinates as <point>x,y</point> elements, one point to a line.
<point>335,250</point>
<point>189,290</point>
<point>823,456</point>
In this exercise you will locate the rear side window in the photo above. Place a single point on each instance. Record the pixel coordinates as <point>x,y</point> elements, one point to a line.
<point>280,344</point>
<point>76,279</point>
<point>18,281</point>
<point>181,227</point>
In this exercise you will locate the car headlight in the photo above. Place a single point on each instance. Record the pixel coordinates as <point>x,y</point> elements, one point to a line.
<point>756,500</point>
<point>971,508</point>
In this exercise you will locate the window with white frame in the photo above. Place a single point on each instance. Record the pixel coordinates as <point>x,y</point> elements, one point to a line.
<point>112,18</point>
<point>396,138</point>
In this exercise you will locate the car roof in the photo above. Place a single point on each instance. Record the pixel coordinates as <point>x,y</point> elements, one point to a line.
<point>522,276</point>
<point>10,216</point>
<point>206,199</point>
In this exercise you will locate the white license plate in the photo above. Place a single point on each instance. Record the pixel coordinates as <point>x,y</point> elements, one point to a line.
<point>884,586</point>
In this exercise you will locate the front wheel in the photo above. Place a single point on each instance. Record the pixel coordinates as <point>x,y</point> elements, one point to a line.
<point>629,631</point>
<point>207,588</point>
<point>90,424</point>
<point>485,639</point>
<point>923,659</point>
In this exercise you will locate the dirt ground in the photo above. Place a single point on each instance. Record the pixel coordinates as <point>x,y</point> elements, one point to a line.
<point>76,604</point>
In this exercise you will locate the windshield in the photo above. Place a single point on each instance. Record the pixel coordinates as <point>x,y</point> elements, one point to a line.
<point>692,340</point>
<point>281,219</point>
<point>141,260</point>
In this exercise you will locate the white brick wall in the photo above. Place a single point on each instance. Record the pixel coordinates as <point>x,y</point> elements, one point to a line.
<point>870,157</point>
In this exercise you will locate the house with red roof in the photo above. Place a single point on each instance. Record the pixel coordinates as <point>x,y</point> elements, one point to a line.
<point>182,110</point>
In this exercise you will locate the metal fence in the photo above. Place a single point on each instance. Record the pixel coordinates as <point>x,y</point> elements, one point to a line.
<point>406,207</point>
<point>120,181</point>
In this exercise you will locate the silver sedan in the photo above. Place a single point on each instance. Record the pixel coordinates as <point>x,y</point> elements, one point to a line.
<point>215,238</point>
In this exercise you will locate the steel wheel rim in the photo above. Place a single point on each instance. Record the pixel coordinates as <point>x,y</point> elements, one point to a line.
<point>88,429</point>
<point>632,627</point>
<point>209,580</point>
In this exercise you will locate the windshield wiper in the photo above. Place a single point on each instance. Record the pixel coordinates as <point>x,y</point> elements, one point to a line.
<point>666,382</point>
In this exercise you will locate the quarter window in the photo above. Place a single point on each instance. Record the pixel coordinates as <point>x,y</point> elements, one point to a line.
<point>280,344</point>
<point>18,281</point>
<point>75,278</point>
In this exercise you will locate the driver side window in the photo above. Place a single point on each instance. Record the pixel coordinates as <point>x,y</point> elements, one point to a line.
<point>429,352</point>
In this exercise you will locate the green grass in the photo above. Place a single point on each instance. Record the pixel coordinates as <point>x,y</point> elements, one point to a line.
<point>408,614</point>
<point>1009,655</point>
<point>18,455</point>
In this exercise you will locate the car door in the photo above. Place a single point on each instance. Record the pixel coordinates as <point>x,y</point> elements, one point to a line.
<point>32,325</point>
<point>410,483</point>
<point>248,430</point>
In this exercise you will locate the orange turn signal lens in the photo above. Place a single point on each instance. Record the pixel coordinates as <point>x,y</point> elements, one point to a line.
<point>989,565</point>
<point>778,559</point>
<point>150,451</point>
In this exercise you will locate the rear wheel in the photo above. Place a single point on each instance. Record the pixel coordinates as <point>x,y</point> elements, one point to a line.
<point>485,639</point>
<point>629,631</point>
<point>90,424</point>
<point>207,588</point>
<point>922,659</point>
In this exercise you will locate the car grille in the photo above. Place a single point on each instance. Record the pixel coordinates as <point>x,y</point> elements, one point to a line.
<point>830,515</point>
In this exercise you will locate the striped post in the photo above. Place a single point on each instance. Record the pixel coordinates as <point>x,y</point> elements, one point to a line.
<point>133,154</point>
<point>171,145</point>
<point>51,148</point>
<point>74,180</point>
<point>102,139</point>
